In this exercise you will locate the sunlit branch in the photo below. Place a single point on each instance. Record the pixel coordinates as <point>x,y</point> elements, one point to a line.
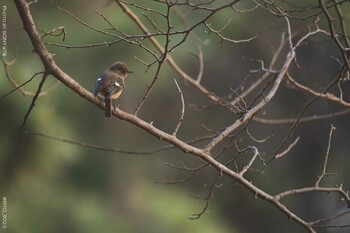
<point>182,109</point>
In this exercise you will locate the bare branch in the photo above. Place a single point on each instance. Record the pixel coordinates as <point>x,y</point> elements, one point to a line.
<point>255,155</point>
<point>327,96</point>
<point>201,64</point>
<point>226,39</point>
<point>338,190</point>
<point>117,150</point>
<point>252,87</point>
<point>264,101</point>
<point>302,119</point>
<point>324,172</point>
<point>317,223</point>
<point>51,33</point>
<point>182,109</point>
<point>333,33</point>
<point>257,140</point>
<point>206,199</point>
<point>283,153</point>
<point>161,60</point>
<point>169,59</point>
<point>20,86</point>
<point>41,84</point>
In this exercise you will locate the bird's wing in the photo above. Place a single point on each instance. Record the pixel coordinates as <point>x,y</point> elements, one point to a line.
<point>98,85</point>
<point>113,89</point>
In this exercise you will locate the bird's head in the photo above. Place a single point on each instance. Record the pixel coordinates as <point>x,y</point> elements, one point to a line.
<point>120,68</point>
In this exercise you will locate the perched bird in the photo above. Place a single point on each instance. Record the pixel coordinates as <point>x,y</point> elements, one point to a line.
<point>110,84</point>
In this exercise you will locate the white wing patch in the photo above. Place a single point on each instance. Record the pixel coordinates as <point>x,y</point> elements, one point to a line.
<point>117,84</point>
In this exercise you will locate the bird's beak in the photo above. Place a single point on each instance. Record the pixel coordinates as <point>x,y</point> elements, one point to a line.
<point>130,71</point>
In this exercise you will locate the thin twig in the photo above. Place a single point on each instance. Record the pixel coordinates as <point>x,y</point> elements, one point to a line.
<point>324,170</point>
<point>317,223</point>
<point>283,153</point>
<point>206,199</point>
<point>303,119</point>
<point>182,109</point>
<point>326,95</point>
<point>19,87</point>
<point>201,64</point>
<point>41,84</point>
<point>107,149</point>
<point>255,155</point>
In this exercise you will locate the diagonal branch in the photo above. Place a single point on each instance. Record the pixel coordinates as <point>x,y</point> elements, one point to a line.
<point>37,93</point>
<point>20,87</point>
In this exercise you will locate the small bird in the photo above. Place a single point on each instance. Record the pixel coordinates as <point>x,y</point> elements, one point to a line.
<point>110,84</point>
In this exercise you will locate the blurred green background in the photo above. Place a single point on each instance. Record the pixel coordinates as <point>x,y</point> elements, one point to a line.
<point>52,186</point>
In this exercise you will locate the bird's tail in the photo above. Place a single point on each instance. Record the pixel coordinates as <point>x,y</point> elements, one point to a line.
<point>108,108</point>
